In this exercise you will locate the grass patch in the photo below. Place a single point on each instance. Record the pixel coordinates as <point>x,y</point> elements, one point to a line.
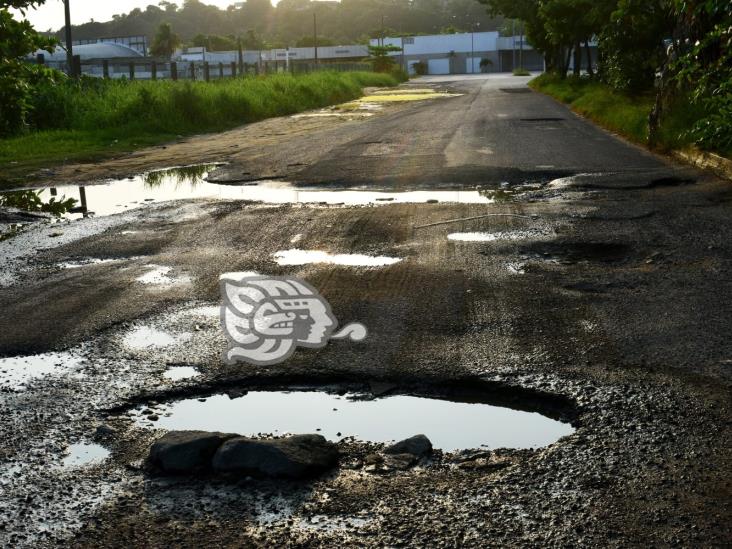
<point>618,112</point>
<point>624,114</point>
<point>521,72</point>
<point>97,119</point>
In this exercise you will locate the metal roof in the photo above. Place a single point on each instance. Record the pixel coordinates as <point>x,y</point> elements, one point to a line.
<point>100,50</point>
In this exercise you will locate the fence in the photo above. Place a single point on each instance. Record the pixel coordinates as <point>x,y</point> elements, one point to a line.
<point>153,69</point>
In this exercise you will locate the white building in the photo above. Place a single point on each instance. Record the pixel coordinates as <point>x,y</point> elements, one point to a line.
<point>462,53</point>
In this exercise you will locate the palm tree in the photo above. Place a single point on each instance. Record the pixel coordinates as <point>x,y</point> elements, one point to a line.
<point>166,41</point>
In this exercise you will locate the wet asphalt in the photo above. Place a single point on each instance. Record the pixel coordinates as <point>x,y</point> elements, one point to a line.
<point>605,304</point>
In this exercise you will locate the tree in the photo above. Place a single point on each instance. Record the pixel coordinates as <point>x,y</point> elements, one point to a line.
<point>166,41</point>
<point>17,77</point>
<point>380,59</point>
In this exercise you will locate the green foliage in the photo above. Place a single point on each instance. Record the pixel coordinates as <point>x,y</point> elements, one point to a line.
<point>165,42</point>
<point>31,201</point>
<point>290,20</point>
<point>308,42</point>
<point>380,59</point>
<point>520,71</point>
<point>18,39</point>
<point>703,68</point>
<point>94,117</point>
<point>632,43</point>
<point>215,42</point>
<point>421,67</point>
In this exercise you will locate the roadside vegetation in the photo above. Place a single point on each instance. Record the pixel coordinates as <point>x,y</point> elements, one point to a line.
<point>662,74</point>
<point>624,113</point>
<point>68,120</point>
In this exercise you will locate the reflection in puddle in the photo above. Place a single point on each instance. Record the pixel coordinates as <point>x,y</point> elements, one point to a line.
<point>490,237</point>
<point>144,337</point>
<point>88,261</point>
<point>449,425</point>
<point>125,194</point>
<point>181,372</point>
<point>160,274</point>
<point>304,257</point>
<point>84,454</point>
<point>474,237</point>
<point>16,371</point>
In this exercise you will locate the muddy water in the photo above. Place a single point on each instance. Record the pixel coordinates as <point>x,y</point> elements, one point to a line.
<point>79,455</point>
<point>187,183</point>
<point>449,425</point>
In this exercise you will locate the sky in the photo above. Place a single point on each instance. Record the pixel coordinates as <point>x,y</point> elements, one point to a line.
<point>51,14</point>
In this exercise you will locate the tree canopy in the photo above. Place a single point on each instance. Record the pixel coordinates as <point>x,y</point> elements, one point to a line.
<point>291,21</point>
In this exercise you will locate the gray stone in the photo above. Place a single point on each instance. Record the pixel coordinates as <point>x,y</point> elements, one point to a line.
<point>186,451</point>
<point>292,457</point>
<point>400,461</point>
<point>418,445</point>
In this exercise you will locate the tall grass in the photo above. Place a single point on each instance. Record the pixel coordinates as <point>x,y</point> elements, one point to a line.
<point>624,114</point>
<point>97,118</point>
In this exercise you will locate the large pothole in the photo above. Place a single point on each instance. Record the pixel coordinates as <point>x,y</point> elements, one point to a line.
<point>456,421</point>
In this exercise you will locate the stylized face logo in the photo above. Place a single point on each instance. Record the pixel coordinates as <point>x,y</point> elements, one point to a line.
<point>265,318</point>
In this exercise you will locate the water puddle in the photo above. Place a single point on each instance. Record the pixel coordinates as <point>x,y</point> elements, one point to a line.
<point>160,275</point>
<point>144,337</point>
<point>304,257</point>
<point>449,425</point>
<point>122,195</point>
<point>17,371</point>
<point>490,237</point>
<point>176,373</point>
<point>88,261</point>
<point>79,455</point>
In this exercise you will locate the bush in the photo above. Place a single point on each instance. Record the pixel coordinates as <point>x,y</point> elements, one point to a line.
<point>520,71</point>
<point>421,68</point>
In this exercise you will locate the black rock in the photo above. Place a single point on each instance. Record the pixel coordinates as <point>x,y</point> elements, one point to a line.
<point>418,445</point>
<point>186,451</point>
<point>292,457</point>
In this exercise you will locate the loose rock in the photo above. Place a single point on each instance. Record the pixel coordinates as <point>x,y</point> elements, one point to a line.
<point>418,445</point>
<point>292,457</point>
<point>186,451</point>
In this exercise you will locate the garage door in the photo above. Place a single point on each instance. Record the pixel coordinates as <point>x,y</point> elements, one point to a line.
<point>438,66</point>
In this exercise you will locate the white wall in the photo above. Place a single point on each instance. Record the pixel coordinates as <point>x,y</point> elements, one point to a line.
<point>438,66</point>
<point>445,43</point>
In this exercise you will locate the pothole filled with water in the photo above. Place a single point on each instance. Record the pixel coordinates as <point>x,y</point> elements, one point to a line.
<point>116,196</point>
<point>304,257</point>
<point>451,425</point>
<point>16,372</point>
<point>177,373</point>
<point>79,455</point>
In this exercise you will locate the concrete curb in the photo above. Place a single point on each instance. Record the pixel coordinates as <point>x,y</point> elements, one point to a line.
<point>706,161</point>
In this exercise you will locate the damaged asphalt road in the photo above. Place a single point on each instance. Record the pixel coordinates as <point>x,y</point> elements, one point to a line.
<point>601,301</point>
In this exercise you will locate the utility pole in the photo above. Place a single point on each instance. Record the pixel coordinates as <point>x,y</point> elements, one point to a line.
<point>315,36</point>
<point>513,44</point>
<point>69,46</point>
<point>472,47</point>
<point>521,47</point>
